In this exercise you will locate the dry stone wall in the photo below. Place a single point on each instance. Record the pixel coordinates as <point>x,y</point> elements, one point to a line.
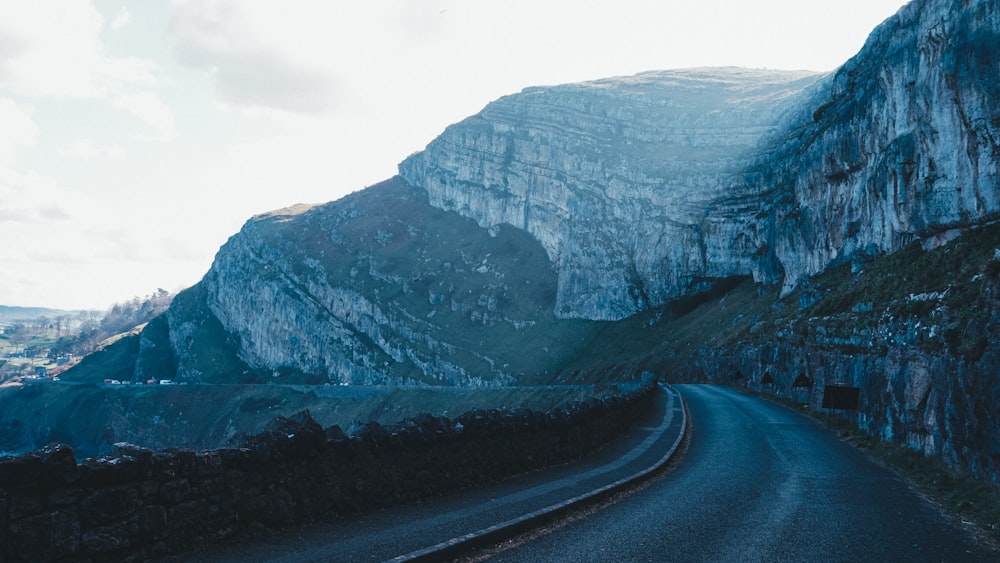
<point>140,504</point>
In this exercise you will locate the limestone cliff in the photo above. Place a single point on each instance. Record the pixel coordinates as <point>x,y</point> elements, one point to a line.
<point>376,288</point>
<point>619,179</point>
<point>901,144</point>
<point>642,188</point>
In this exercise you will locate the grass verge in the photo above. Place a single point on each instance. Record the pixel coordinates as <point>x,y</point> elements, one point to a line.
<point>962,496</point>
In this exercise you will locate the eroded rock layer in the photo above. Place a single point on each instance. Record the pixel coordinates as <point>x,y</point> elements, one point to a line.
<point>619,179</point>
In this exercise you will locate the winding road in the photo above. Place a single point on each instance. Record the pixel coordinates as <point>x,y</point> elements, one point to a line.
<point>759,482</point>
<point>756,482</point>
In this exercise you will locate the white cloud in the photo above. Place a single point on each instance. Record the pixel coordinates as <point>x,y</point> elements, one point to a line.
<point>247,70</point>
<point>87,149</point>
<point>18,131</point>
<point>63,249</point>
<point>59,51</point>
<point>53,212</point>
<point>32,198</point>
<point>11,47</point>
<point>122,19</point>
<point>149,108</point>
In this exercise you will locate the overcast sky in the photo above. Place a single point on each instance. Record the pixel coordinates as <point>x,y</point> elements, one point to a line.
<point>136,137</point>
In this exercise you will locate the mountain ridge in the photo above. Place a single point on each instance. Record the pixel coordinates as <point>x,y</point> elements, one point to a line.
<point>609,183</point>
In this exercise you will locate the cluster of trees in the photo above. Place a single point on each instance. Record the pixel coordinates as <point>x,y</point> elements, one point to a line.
<point>35,339</point>
<point>121,317</point>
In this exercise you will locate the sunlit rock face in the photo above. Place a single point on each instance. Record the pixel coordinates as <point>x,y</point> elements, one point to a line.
<point>900,144</point>
<point>619,179</point>
<point>643,188</point>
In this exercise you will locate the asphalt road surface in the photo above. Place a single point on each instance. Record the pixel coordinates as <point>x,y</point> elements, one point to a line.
<point>760,483</point>
<point>410,530</point>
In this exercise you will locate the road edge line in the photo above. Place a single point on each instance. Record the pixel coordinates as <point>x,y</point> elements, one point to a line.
<point>454,547</point>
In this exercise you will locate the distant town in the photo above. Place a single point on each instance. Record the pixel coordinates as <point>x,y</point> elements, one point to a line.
<point>40,344</point>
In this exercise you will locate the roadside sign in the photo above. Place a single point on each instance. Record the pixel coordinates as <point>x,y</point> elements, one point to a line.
<point>841,397</point>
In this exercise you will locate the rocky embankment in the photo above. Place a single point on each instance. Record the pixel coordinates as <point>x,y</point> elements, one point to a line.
<point>915,331</point>
<point>899,145</point>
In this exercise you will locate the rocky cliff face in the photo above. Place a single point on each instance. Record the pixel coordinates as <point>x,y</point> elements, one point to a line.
<point>900,144</point>
<point>619,179</point>
<point>642,188</point>
<point>376,288</point>
<point>639,190</point>
<point>916,331</point>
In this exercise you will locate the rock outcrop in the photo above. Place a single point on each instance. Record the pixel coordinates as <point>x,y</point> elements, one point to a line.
<point>376,288</point>
<point>901,144</point>
<point>915,332</point>
<point>619,179</point>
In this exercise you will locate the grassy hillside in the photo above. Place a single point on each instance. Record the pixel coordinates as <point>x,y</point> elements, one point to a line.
<point>92,417</point>
<point>950,289</point>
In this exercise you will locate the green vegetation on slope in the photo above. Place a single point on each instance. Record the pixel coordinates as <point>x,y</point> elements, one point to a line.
<point>970,499</point>
<point>93,417</point>
<point>46,342</point>
<point>484,295</point>
<point>949,290</point>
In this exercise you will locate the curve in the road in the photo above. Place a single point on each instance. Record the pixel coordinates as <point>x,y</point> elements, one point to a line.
<point>760,482</point>
<point>474,517</point>
<point>503,530</point>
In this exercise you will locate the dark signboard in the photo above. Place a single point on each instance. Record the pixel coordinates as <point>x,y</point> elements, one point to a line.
<point>802,381</point>
<point>841,397</point>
